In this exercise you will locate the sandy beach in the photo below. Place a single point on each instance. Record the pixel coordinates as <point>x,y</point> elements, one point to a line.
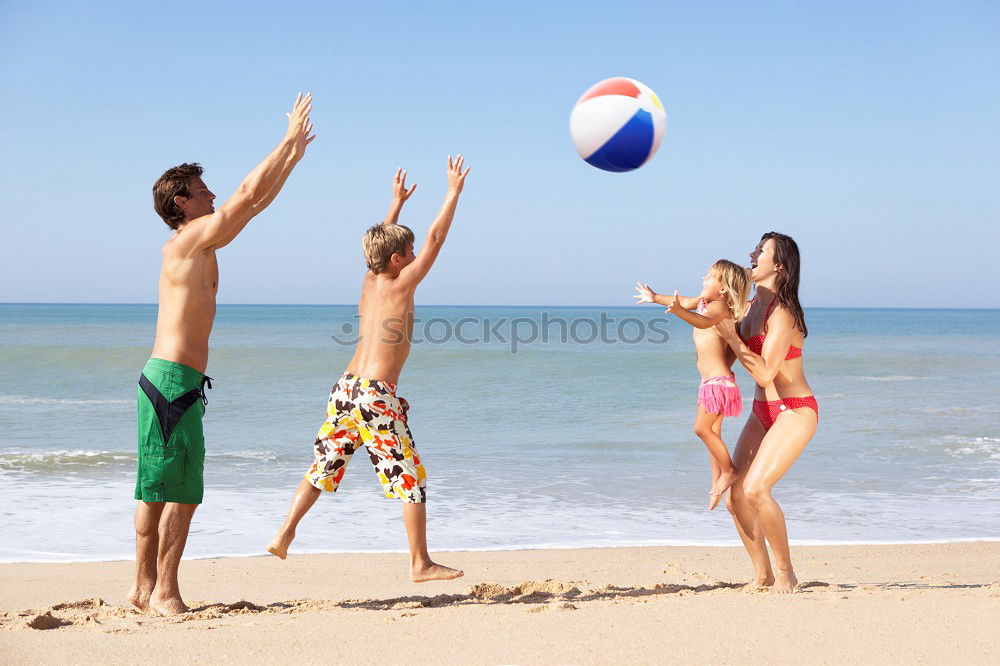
<point>857,604</point>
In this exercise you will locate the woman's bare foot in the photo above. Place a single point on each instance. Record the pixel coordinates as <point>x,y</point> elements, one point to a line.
<point>139,599</point>
<point>719,485</point>
<point>279,546</point>
<point>760,582</point>
<point>433,572</point>
<point>785,582</point>
<point>167,605</point>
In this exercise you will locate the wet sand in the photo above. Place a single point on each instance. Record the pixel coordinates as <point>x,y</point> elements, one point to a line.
<point>936,603</point>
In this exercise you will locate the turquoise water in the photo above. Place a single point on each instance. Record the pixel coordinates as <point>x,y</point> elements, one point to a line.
<point>563,443</point>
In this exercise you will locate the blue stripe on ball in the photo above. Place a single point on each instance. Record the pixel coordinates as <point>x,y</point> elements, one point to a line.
<point>629,147</point>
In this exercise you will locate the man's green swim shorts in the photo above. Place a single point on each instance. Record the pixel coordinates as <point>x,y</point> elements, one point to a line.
<point>171,403</point>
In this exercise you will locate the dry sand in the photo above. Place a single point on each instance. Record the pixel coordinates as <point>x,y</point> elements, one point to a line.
<point>857,604</point>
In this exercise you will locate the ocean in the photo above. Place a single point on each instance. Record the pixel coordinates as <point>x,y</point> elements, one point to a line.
<point>539,427</point>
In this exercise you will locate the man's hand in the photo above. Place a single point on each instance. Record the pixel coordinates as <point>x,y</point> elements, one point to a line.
<point>299,126</point>
<point>645,295</point>
<point>456,177</point>
<point>261,185</point>
<point>399,191</point>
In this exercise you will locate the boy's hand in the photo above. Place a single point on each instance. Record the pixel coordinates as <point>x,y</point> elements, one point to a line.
<point>645,294</point>
<point>299,125</point>
<point>456,177</point>
<point>399,191</point>
<point>675,305</point>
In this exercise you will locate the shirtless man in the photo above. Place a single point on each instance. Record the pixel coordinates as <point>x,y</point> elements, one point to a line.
<point>364,408</point>
<point>171,397</point>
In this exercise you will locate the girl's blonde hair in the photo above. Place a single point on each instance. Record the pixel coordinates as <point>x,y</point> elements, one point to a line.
<point>736,282</point>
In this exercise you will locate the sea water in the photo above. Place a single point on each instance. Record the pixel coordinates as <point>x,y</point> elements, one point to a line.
<point>578,437</point>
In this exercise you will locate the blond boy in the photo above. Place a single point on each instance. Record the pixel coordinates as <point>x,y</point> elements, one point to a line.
<point>364,409</point>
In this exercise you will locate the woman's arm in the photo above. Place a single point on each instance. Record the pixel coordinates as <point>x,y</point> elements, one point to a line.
<point>765,367</point>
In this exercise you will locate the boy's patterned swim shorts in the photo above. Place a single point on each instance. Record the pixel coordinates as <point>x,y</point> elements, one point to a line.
<point>366,412</point>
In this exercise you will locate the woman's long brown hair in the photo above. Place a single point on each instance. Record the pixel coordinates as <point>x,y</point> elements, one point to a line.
<point>786,254</point>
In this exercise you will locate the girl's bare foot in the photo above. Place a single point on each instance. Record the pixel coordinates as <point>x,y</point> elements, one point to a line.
<point>139,599</point>
<point>279,546</point>
<point>785,582</point>
<point>433,571</point>
<point>719,485</point>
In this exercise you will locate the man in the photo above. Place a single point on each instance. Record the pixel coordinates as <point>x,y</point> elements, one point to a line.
<point>171,394</point>
<point>363,408</point>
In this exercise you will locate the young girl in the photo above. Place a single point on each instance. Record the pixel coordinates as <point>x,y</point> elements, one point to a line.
<point>724,293</point>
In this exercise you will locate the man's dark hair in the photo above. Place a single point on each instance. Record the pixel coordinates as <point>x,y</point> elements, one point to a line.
<point>174,182</point>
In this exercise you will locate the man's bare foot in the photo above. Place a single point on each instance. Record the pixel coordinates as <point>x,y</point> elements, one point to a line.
<point>785,582</point>
<point>719,485</point>
<point>433,572</point>
<point>139,599</point>
<point>279,546</point>
<point>167,605</point>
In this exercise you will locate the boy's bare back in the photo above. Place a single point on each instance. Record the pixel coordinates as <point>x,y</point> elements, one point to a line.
<point>385,328</point>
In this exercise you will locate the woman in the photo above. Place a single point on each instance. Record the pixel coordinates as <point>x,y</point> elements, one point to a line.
<point>785,413</point>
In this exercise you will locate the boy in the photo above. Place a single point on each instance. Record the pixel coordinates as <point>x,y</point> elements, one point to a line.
<point>363,407</point>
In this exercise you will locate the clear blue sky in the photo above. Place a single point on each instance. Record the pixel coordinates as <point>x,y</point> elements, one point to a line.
<point>868,131</point>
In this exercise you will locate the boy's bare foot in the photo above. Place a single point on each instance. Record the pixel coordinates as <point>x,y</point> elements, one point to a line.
<point>719,485</point>
<point>167,605</point>
<point>433,572</point>
<point>139,599</point>
<point>785,582</point>
<point>279,546</point>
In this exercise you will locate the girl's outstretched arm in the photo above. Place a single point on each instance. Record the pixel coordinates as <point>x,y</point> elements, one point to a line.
<point>647,295</point>
<point>716,312</point>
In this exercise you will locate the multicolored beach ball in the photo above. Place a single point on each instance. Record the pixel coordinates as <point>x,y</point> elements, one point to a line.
<point>618,124</point>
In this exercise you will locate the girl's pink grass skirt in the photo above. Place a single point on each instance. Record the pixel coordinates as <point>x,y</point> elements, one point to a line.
<point>721,395</point>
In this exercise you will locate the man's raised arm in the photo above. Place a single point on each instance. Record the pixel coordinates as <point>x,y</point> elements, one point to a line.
<point>413,273</point>
<point>261,185</point>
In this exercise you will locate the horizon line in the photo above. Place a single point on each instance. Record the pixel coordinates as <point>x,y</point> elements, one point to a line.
<point>474,305</point>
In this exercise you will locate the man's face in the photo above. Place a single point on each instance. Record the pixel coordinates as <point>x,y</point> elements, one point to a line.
<point>200,201</point>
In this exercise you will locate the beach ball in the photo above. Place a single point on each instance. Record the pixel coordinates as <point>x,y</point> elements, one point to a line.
<point>618,124</point>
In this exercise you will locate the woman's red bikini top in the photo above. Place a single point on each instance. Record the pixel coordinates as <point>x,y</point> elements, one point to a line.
<point>756,343</point>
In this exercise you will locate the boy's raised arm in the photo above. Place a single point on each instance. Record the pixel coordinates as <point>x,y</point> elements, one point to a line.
<point>261,185</point>
<point>399,196</point>
<point>413,273</point>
